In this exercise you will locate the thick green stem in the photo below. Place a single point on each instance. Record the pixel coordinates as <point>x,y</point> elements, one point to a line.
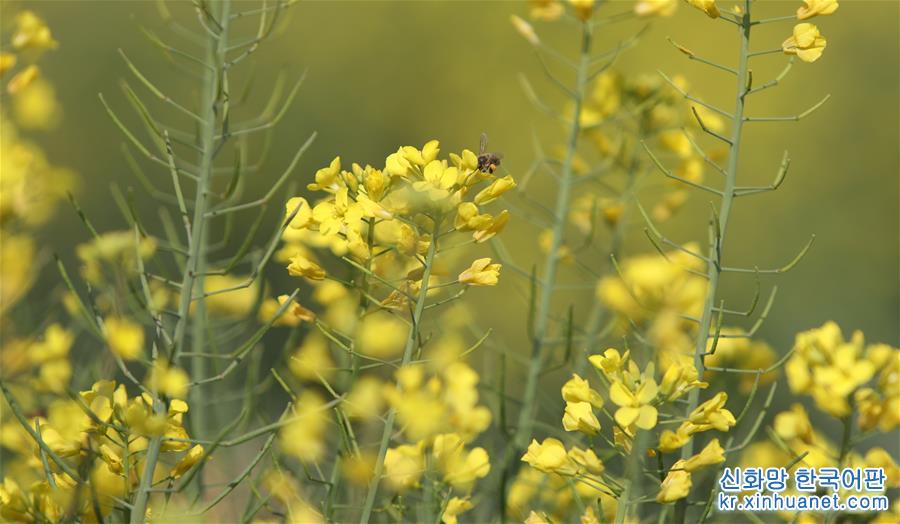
<point>548,281</point>
<point>411,342</point>
<point>714,269</point>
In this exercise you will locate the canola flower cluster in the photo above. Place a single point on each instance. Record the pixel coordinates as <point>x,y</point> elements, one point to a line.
<point>388,226</point>
<point>103,436</point>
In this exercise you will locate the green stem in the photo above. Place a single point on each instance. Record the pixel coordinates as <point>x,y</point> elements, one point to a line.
<point>563,199</point>
<point>139,508</point>
<point>598,311</point>
<point>714,268</point>
<point>407,356</point>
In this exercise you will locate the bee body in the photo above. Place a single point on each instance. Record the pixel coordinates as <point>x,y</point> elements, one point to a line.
<point>487,162</point>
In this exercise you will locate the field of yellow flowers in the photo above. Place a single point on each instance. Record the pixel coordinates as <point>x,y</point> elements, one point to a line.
<point>255,321</point>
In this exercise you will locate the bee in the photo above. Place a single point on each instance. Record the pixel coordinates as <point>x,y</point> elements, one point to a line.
<point>487,162</point>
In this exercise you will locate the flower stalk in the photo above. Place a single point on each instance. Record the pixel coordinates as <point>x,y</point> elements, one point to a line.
<point>411,343</point>
<point>563,201</point>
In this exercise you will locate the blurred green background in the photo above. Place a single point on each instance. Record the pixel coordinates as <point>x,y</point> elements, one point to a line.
<point>384,74</point>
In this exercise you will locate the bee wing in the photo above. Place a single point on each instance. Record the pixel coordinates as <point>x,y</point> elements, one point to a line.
<point>483,144</point>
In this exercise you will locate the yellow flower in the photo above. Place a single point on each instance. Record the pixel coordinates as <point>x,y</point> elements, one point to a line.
<point>438,180</point>
<point>525,29</point>
<point>610,362</point>
<point>365,400</point>
<point>583,8</point>
<point>587,460</point>
<point>301,266</point>
<point>678,379</point>
<point>303,437</point>
<point>676,485</point>
<point>493,191</point>
<point>580,417</point>
<point>813,8</point>
<point>549,456</point>
<point>806,42</point>
<point>879,458</point>
<point>303,216</point>
<point>313,362</point>
<point>655,7</point>
<point>707,6</point>
<point>712,414</point>
<point>634,406</point>
<point>481,273</point>
<point>170,381</point>
<point>537,518</point>
<point>292,316</point>
<point>578,389</point>
<point>37,107</point>
<point>455,506</point>
<point>190,458</point>
<point>358,468</point>
<point>670,441</point>
<point>461,467</point>
<point>404,466</point>
<point>381,335</point>
<point>22,79</point>
<point>32,32</point>
<point>711,454</point>
<point>794,424</point>
<point>7,62</point>
<point>230,295</point>
<point>125,338</point>
<point>546,10</point>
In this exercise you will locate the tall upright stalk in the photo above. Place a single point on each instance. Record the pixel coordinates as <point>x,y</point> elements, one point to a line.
<point>551,266</point>
<point>411,342</point>
<point>714,264</point>
<point>195,266</point>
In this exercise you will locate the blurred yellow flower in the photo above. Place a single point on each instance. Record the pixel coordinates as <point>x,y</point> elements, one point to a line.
<point>460,467</point>
<point>36,106</point>
<point>125,338</point>
<point>312,361</point>
<point>22,80</point>
<point>806,42</point>
<point>481,273</point>
<point>707,6</point>
<point>655,7</point>
<point>813,8</point>
<point>7,62</point>
<point>404,466</point>
<point>381,335</point>
<point>31,32</point>
<point>546,10</point>
<point>170,381</point>
<point>583,8</point>
<point>303,437</point>
<point>230,295</point>
<point>455,506</point>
